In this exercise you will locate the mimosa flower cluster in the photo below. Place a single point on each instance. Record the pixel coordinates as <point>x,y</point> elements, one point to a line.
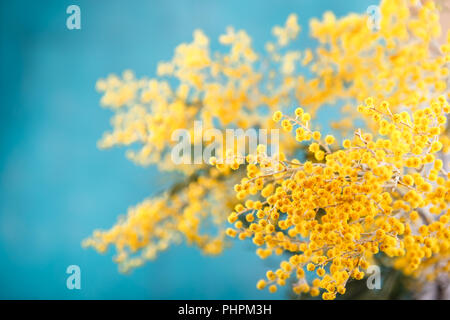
<point>379,194</point>
<point>156,224</point>
<point>373,183</point>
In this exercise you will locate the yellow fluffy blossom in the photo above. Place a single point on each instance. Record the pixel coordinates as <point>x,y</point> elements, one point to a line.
<point>379,188</point>
<point>333,216</point>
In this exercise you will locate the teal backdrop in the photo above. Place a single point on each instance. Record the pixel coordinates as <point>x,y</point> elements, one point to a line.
<point>56,187</point>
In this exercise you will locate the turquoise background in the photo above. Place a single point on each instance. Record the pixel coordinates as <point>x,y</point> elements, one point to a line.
<point>56,187</point>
